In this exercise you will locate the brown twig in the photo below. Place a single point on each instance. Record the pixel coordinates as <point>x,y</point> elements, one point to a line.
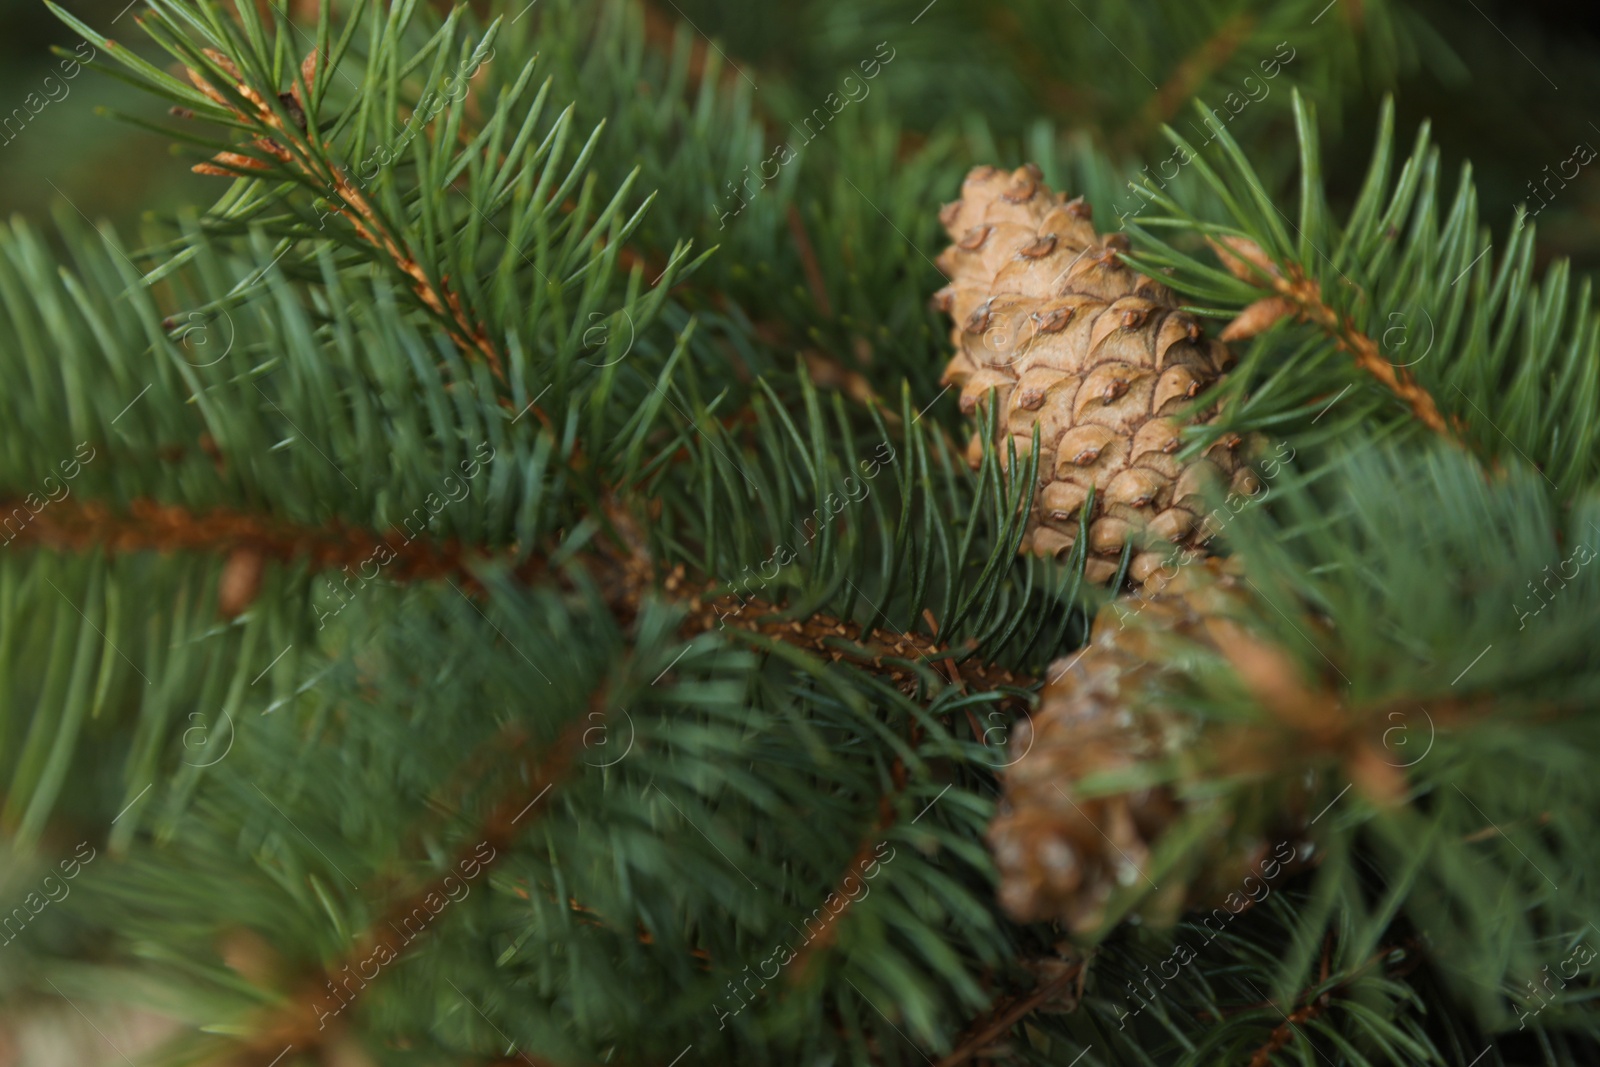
<point>74,525</point>
<point>837,640</point>
<point>808,262</point>
<point>1301,295</point>
<point>437,297</point>
<point>440,299</point>
<point>1316,1005</point>
<point>1348,336</point>
<point>1283,1034</point>
<point>1187,78</point>
<point>624,574</point>
<point>301,1024</point>
<point>661,32</point>
<point>828,924</point>
<point>1005,1014</point>
<point>713,607</point>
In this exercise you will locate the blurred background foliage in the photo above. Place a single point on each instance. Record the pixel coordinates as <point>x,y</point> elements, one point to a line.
<point>1508,84</point>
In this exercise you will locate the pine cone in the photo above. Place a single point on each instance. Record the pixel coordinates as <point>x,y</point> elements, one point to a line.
<point>1063,854</point>
<point>1095,354</point>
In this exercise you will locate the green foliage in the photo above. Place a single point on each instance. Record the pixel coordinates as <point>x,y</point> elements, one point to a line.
<point>501,340</point>
<point>1455,618</point>
<point>1515,362</point>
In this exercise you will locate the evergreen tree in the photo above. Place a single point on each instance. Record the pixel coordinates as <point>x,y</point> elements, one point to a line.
<point>516,575</point>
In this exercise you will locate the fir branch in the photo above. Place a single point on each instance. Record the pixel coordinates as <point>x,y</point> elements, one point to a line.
<point>446,802</point>
<point>827,637</point>
<point>1006,1013</point>
<point>823,939</point>
<point>471,339</point>
<point>661,32</point>
<point>808,259</point>
<point>1302,296</point>
<point>625,575</point>
<point>1188,77</point>
<point>299,1024</point>
<point>440,299</point>
<point>151,526</point>
<point>1318,999</point>
<point>1284,1033</point>
<point>892,653</point>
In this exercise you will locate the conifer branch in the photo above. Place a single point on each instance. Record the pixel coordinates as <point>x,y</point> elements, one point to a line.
<point>826,371</point>
<point>660,33</point>
<point>1285,1032</point>
<point>823,635</point>
<point>1006,1013</point>
<point>625,575</point>
<point>438,298</point>
<point>1301,295</point>
<point>1317,1003</point>
<point>302,1023</point>
<point>1188,77</point>
<point>150,526</point>
<point>824,936</point>
<point>1307,296</point>
<point>838,640</point>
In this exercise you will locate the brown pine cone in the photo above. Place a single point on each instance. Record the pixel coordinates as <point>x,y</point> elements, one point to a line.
<point>1095,354</point>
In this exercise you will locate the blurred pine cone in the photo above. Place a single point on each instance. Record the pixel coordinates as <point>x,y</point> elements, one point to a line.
<point>1063,852</point>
